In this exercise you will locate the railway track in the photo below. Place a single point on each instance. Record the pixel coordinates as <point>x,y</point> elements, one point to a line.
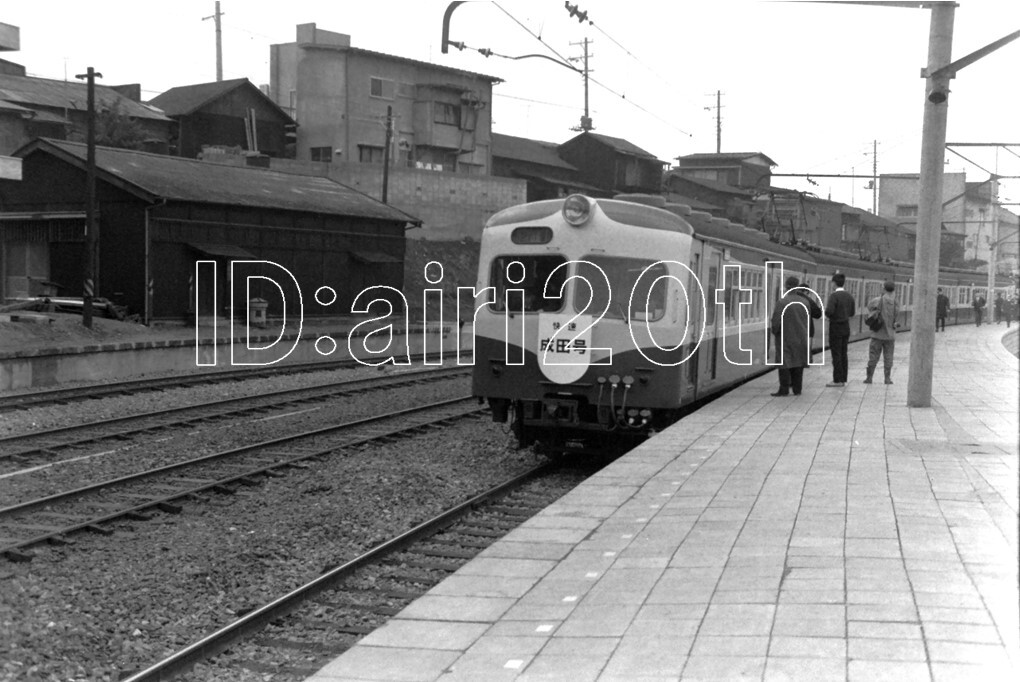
<point>63,396</point>
<point>297,633</point>
<point>55,518</point>
<point>41,447</point>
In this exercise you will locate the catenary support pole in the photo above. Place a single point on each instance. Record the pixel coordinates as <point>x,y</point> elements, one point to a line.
<point>929,211</point>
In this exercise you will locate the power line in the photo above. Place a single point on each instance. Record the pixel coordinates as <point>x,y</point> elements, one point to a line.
<point>534,101</point>
<point>597,27</point>
<point>564,62</point>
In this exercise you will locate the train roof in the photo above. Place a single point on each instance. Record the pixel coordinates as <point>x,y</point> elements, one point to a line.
<point>631,213</point>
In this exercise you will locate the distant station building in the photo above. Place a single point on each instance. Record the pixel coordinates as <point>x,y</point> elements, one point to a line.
<point>158,215</point>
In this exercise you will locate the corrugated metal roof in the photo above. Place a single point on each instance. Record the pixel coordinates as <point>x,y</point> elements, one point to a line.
<point>711,184</point>
<point>186,99</point>
<point>43,92</point>
<point>619,144</point>
<point>532,151</point>
<point>171,177</point>
<point>725,156</point>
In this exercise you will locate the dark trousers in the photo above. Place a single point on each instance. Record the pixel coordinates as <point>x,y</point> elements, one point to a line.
<point>837,346</point>
<point>940,321</point>
<point>881,348</point>
<point>977,316</point>
<point>791,378</point>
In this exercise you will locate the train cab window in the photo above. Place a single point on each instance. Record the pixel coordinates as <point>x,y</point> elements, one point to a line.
<point>645,279</point>
<point>542,282</point>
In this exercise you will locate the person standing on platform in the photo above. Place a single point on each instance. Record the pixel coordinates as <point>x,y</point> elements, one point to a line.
<point>998,307</point>
<point>979,306</point>
<point>941,310</point>
<point>883,337</point>
<point>791,332</point>
<point>839,309</point>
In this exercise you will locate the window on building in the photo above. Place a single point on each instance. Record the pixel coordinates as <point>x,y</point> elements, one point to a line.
<point>321,154</point>
<point>369,154</point>
<point>447,114</point>
<point>380,87</point>
<point>906,210</point>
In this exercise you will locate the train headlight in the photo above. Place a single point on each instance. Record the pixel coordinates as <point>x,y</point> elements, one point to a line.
<point>577,209</point>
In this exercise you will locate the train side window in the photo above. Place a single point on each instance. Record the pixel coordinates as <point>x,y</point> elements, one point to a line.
<point>713,283</point>
<point>731,294</point>
<point>537,271</point>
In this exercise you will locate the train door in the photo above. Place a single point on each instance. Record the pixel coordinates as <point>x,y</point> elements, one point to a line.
<point>708,366</point>
<point>694,321</point>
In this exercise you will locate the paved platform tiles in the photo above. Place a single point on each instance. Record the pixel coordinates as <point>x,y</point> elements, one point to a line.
<point>837,535</point>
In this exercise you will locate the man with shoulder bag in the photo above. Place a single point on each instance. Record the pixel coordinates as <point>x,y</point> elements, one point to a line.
<point>881,320</point>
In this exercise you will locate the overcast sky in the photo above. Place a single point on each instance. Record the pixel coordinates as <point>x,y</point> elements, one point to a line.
<point>810,85</point>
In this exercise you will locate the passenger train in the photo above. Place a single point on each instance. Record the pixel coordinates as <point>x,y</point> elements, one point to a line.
<point>607,317</point>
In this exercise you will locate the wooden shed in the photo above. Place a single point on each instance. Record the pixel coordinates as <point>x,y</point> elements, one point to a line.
<point>159,215</point>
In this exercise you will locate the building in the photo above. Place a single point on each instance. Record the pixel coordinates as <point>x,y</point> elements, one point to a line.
<point>41,107</point>
<point>968,228</point>
<point>728,201</point>
<point>539,164</point>
<point>231,113</point>
<point>737,169</point>
<point>341,96</point>
<point>797,217</point>
<point>989,226</point>
<point>612,164</point>
<point>159,215</point>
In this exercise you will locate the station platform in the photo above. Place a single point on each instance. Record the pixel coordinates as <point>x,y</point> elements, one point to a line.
<point>836,535</point>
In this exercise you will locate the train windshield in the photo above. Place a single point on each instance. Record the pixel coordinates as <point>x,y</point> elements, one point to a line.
<point>537,276</point>
<point>644,279</point>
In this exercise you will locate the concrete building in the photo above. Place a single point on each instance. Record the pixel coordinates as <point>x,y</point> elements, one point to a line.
<point>339,95</point>
<point>967,218</point>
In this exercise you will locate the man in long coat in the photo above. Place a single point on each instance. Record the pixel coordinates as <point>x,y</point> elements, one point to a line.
<point>790,327</point>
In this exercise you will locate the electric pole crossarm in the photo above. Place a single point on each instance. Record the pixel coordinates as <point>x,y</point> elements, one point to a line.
<point>949,70</point>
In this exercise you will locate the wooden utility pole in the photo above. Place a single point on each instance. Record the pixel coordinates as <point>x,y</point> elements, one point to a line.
<point>219,40</point>
<point>718,122</point>
<point>91,271</point>
<point>386,154</point>
<point>874,177</point>
<point>586,125</point>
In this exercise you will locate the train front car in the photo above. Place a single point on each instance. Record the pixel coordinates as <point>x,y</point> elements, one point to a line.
<point>583,342</point>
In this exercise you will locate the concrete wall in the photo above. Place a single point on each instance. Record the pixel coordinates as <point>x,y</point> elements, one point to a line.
<point>452,205</point>
<point>114,362</point>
